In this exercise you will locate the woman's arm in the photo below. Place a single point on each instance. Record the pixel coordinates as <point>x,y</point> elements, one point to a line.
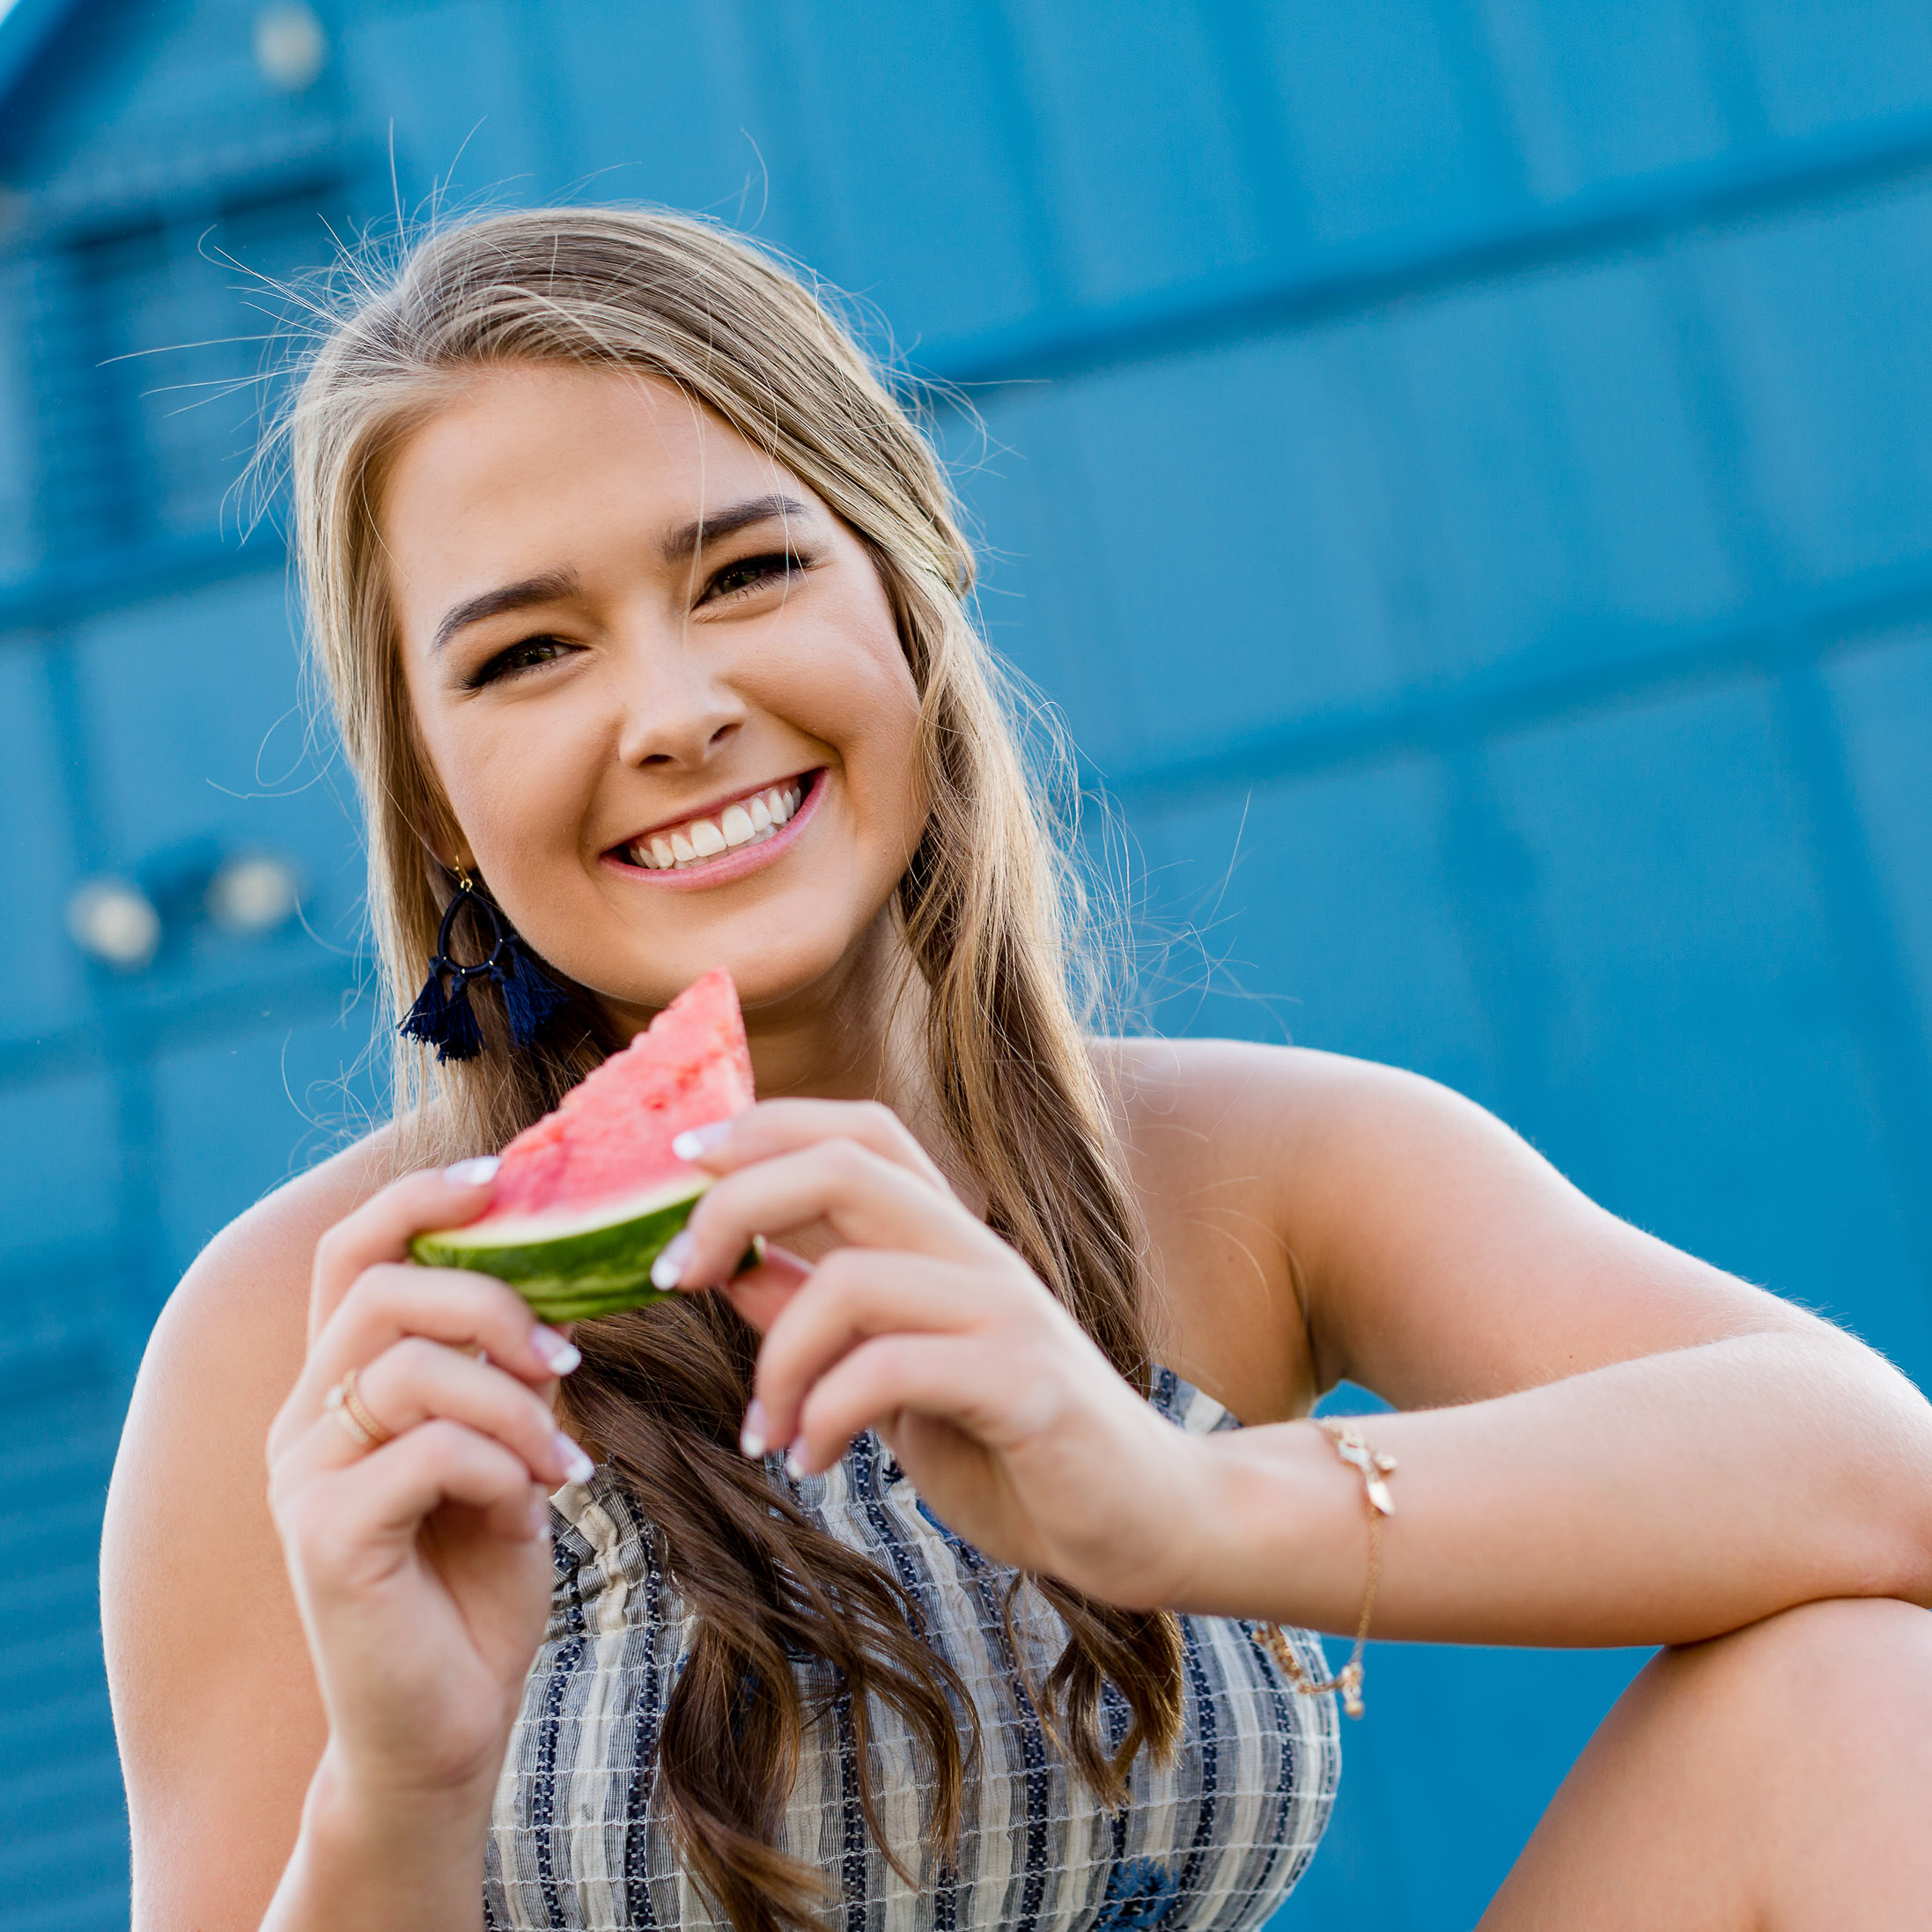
<point>325,1754</point>
<point>1663,1500</point>
<point>1625,1445</point>
<point>1614,1442</point>
<point>215,1711</point>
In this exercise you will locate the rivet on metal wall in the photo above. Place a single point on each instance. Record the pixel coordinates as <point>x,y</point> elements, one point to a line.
<point>115,921</point>
<point>255,892</point>
<point>290,46</point>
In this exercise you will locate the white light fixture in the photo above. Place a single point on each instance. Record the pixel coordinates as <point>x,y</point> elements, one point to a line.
<point>290,46</point>
<point>255,892</point>
<point>115,922</point>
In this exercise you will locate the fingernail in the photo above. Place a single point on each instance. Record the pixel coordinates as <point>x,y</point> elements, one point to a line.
<point>555,1354</point>
<point>577,1465</point>
<point>795,1461</point>
<point>540,1517</point>
<point>668,1269</point>
<point>751,1437</point>
<point>473,1173</point>
<point>695,1141</point>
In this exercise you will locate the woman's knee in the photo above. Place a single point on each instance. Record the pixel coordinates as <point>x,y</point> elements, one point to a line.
<point>1776,1776</point>
<point>1840,1647</point>
<point>1850,1672</point>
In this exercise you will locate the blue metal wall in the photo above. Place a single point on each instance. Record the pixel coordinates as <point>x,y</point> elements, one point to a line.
<point>1464,466</point>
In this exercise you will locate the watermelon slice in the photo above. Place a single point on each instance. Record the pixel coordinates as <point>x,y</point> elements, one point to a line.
<point>586,1198</point>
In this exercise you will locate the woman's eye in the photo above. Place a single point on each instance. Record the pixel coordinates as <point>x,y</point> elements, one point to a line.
<point>750,573</point>
<point>519,657</point>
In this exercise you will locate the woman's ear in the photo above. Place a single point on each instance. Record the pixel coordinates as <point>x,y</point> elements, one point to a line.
<point>452,858</point>
<point>434,823</point>
<point>444,843</point>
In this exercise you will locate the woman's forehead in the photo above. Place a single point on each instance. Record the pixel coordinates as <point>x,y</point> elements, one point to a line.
<point>528,468</point>
<point>526,425</point>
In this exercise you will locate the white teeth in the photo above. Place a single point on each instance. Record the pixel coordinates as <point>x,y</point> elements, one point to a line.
<point>748,823</point>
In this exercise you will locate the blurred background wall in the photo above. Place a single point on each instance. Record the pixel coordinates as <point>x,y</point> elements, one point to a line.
<point>1461,465</point>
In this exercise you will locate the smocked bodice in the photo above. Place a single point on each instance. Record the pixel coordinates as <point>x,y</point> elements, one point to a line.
<point>1210,1841</point>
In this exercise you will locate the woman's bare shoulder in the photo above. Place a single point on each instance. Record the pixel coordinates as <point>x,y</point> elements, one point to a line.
<point>1218,1137</point>
<point>1437,1256</point>
<point>1183,1103</point>
<point>231,1341</point>
<point>1289,1143</point>
<point>224,1355</point>
<point>1310,1139</point>
<point>253,1275</point>
<point>218,1721</point>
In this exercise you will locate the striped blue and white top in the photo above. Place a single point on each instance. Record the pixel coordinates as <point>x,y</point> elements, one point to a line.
<point>1211,1842</point>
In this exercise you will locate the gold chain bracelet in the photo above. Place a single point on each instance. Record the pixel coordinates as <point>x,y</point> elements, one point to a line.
<point>1355,1451</point>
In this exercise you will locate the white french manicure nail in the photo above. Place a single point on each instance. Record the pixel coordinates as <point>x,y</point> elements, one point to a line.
<point>751,1437</point>
<point>795,1461</point>
<point>474,1172</point>
<point>557,1353</point>
<point>668,1269</point>
<point>577,1465</point>
<point>695,1141</point>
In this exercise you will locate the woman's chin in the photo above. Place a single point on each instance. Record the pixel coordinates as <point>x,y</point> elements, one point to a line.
<point>792,951</point>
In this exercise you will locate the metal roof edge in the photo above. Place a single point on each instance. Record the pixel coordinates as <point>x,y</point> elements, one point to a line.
<point>26,27</point>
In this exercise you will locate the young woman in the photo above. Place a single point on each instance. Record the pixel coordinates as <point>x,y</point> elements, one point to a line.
<point>883,1589</point>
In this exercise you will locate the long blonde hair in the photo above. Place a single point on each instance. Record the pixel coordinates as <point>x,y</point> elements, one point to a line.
<point>982,909</point>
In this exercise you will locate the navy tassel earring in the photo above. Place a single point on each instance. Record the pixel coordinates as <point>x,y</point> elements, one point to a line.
<point>530,996</point>
<point>445,1021</point>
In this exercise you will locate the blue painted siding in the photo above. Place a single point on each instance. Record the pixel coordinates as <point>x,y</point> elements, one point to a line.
<point>1464,471</point>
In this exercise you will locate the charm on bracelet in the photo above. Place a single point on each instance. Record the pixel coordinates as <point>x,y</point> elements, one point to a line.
<point>1375,1467</point>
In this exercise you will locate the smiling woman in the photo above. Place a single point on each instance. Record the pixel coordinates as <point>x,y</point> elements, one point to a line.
<point>904,1574</point>
<point>596,655</point>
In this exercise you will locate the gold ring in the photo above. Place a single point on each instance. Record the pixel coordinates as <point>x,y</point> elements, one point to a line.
<point>344,1401</point>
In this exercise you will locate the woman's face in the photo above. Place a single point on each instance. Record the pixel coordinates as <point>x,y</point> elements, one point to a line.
<point>631,638</point>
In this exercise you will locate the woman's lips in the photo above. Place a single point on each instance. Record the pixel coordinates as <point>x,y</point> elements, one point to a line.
<point>745,820</point>
<point>742,837</point>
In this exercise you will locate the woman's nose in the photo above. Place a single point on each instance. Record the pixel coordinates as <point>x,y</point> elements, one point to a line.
<point>675,709</point>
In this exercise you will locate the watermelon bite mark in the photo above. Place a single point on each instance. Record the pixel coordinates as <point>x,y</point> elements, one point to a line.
<point>587,1198</point>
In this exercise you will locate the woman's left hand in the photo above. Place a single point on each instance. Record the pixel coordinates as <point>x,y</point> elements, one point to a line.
<point>923,1325</point>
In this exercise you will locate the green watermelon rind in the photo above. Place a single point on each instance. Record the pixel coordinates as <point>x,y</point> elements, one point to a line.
<point>587,1268</point>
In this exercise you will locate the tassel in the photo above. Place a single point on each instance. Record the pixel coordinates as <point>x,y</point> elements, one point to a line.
<point>461,1038</point>
<point>441,1019</point>
<point>427,1018</point>
<point>446,1020</point>
<point>530,996</point>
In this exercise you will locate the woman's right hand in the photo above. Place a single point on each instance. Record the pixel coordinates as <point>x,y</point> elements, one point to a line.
<point>421,1567</point>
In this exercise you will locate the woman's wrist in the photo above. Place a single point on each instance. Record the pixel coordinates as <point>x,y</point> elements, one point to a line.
<point>1277,1531</point>
<point>379,1856</point>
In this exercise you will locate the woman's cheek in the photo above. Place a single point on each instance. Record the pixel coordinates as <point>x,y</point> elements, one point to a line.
<point>521,803</point>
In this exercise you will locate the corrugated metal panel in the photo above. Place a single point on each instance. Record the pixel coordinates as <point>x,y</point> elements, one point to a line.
<point>1462,469</point>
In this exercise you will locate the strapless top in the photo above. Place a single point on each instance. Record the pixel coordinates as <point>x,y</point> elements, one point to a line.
<point>1212,1841</point>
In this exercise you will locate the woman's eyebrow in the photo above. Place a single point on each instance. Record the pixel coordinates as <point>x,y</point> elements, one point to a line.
<point>682,544</point>
<point>679,547</point>
<point>549,588</point>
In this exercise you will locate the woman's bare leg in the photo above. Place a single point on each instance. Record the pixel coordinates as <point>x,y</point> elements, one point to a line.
<point>1777,1780</point>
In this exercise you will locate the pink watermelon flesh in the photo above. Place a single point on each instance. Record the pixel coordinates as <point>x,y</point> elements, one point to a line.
<point>586,1198</point>
<point>610,1141</point>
